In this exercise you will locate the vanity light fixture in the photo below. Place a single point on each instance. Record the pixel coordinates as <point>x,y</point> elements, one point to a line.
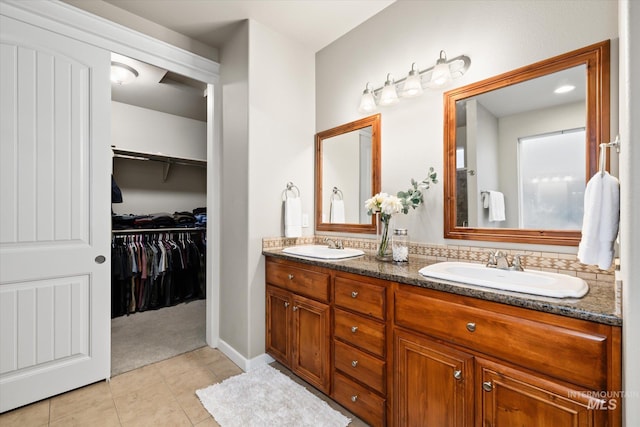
<point>413,83</point>
<point>122,73</point>
<point>434,77</point>
<point>368,101</point>
<point>389,96</point>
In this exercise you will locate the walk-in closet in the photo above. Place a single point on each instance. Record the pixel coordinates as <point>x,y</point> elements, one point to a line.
<point>159,216</point>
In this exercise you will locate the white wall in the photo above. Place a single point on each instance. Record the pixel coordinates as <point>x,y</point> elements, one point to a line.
<point>630,203</point>
<point>487,154</point>
<point>281,139</point>
<point>268,140</point>
<point>234,79</point>
<point>141,129</point>
<point>498,36</point>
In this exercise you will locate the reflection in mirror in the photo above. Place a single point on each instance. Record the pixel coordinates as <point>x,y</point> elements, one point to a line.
<point>347,174</point>
<point>520,147</point>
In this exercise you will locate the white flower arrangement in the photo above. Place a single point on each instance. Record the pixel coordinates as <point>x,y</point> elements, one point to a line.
<point>386,205</point>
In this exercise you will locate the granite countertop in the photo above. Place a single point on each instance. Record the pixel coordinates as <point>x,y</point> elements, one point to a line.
<point>599,305</point>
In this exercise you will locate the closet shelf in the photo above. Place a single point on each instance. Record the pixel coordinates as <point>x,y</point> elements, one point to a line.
<point>158,157</point>
<point>158,230</point>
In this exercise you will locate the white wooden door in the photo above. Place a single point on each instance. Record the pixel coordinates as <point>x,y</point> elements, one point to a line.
<point>54,214</point>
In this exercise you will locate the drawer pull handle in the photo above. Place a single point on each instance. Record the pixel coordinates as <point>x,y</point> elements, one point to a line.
<point>290,276</point>
<point>471,327</point>
<point>286,304</point>
<point>354,398</point>
<point>354,329</point>
<point>487,386</point>
<point>354,294</point>
<point>354,363</point>
<point>295,308</point>
<point>457,374</point>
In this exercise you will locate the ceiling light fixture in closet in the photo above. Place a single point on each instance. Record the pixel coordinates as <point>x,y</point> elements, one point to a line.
<point>122,73</point>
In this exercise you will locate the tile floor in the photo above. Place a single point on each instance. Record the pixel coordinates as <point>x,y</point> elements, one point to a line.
<point>161,394</point>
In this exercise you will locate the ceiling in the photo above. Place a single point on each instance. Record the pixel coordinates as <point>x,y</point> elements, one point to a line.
<point>313,23</point>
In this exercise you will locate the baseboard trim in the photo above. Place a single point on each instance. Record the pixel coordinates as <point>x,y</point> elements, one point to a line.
<point>244,363</point>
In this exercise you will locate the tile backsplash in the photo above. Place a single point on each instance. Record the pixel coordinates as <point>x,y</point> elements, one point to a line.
<point>546,261</point>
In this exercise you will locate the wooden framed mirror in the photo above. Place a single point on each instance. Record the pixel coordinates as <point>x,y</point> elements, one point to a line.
<point>347,174</point>
<point>510,138</point>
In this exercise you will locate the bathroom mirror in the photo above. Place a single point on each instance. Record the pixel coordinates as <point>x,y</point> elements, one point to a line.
<point>347,174</point>
<point>518,155</point>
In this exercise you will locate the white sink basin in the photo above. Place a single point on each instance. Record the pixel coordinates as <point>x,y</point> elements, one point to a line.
<point>528,281</point>
<point>322,252</point>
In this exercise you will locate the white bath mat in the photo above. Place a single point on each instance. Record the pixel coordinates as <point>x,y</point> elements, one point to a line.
<point>265,397</point>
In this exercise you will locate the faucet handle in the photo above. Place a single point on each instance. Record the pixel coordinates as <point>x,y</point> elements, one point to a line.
<point>517,263</point>
<point>491,261</point>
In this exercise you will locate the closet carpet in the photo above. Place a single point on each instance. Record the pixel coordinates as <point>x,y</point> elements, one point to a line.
<point>151,336</point>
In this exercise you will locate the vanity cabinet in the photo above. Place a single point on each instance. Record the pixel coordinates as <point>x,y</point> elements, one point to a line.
<point>514,366</point>
<point>403,355</point>
<point>298,321</point>
<point>360,346</point>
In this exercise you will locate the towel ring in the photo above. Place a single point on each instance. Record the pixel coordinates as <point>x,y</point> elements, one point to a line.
<point>290,188</point>
<point>336,194</point>
<point>603,152</point>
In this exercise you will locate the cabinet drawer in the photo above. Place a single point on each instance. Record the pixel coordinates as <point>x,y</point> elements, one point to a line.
<point>312,284</point>
<point>365,368</point>
<point>577,354</point>
<point>359,331</point>
<point>361,297</point>
<point>362,402</point>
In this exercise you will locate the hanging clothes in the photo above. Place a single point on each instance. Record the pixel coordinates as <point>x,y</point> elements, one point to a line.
<point>151,270</point>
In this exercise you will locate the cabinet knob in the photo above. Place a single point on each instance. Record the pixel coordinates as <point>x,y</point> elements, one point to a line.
<point>354,398</point>
<point>487,386</point>
<point>354,294</point>
<point>295,308</point>
<point>457,374</point>
<point>290,276</point>
<point>286,304</point>
<point>354,363</point>
<point>354,329</point>
<point>471,327</point>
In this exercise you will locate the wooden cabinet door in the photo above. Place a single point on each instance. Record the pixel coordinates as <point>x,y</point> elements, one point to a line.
<point>311,341</point>
<point>279,324</point>
<point>433,384</point>
<point>510,397</point>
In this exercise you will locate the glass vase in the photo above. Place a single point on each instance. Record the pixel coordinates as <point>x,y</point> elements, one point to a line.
<point>384,251</point>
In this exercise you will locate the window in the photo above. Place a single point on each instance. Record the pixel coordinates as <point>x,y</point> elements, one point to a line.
<point>551,179</point>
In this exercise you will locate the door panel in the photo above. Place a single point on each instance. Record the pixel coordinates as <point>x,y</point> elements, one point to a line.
<point>311,351</point>
<point>433,383</point>
<point>54,215</point>
<point>510,397</point>
<point>278,339</point>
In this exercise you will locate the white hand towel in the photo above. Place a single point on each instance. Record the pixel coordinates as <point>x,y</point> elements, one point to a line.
<point>600,221</point>
<point>292,217</point>
<point>496,206</point>
<point>337,212</point>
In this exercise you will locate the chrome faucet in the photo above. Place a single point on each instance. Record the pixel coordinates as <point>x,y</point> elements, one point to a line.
<point>499,260</point>
<point>334,244</point>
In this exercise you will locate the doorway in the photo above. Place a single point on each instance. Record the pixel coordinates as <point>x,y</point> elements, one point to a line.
<point>159,214</point>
